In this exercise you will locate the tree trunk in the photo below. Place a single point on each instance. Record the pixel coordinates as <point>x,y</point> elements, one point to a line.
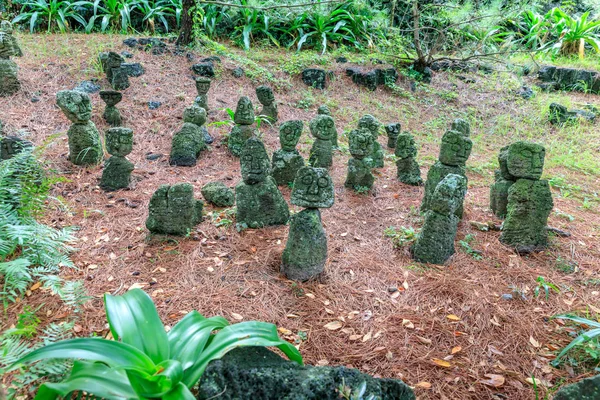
<point>185,34</point>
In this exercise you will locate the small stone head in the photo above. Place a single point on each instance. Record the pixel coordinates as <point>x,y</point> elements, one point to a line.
<point>244,113</point>
<point>265,95</point>
<point>361,143</point>
<point>324,110</point>
<point>6,27</point>
<point>405,146</point>
<point>455,149</point>
<point>526,160</point>
<point>322,127</point>
<point>393,130</point>
<point>76,105</point>
<point>462,126</point>
<point>254,161</point>
<point>289,134</point>
<point>12,145</point>
<point>370,122</point>
<point>313,188</point>
<point>195,115</point>
<point>111,97</point>
<point>202,85</point>
<point>119,141</point>
<point>449,194</point>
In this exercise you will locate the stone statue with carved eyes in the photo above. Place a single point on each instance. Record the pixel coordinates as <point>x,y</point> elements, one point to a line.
<point>392,131</point>
<point>461,126</point>
<point>373,125</point>
<point>12,145</point>
<point>529,200</point>
<point>287,160</point>
<point>408,170</point>
<point>244,126</point>
<point>267,99</point>
<point>502,182</point>
<point>259,202</point>
<point>85,147</point>
<point>202,87</point>
<point>188,142</point>
<point>305,252</point>
<point>359,176</point>
<point>322,127</point>
<point>117,169</point>
<point>324,110</point>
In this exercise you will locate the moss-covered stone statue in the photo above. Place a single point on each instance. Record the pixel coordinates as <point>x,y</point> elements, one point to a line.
<point>244,126</point>
<point>117,169</point>
<point>259,202</point>
<point>406,154</point>
<point>111,114</point>
<point>85,147</point>
<point>287,160</point>
<point>373,125</point>
<point>217,194</point>
<point>324,110</point>
<point>435,243</point>
<point>305,252</point>
<point>116,73</point>
<point>188,142</point>
<point>173,210</point>
<point>9,81</point>
<point>10,146</point>
<point>267,99</point>
<point>529,199</point>
<point>454,153</point>
<point>499,189</point>
<point>322,127</point>
<point>392,131</point>
<point>202,87</point>
<point>359,176</point>
<point>462,126</point>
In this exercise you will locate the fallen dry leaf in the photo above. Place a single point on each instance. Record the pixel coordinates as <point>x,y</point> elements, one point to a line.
<point>354,337</point>
<point>441,363</point>
<point>237,316</point>
<point>455,350</point>
<point>423,385</point>
<point>333,325</point>
<point>368,336</point>
<point>284,331</point>
<point>538,382</point>
<point>137,285</point>
<point>453,317</point>
<point>35,286</point>
<point>424,340</point>
<point>408,324</point>
<point>494,380</point>
<point>534,342</point>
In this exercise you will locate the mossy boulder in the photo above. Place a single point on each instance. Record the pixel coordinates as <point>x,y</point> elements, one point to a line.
<point>586,389</point>
<point>173,210</point>
<point>216,193</point>
<point>186,146</point>
<point>285,165</point>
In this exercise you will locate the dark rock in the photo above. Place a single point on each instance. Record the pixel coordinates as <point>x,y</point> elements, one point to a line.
<point>371,79</point>
<point>314,77</point>
<point>211,59</point>
<point>507,296</point>
<point>218,194</point>
<point>547,86</point>
<point>558,232</point>
<point>204,69</point>
<point>127,54</point>
<point>35,99</point>
<point>586,389</point>
<point>466,79</point>
<point>386,76</point>
<point>153,156</point>
<point>206,136</point>
<point>571,79</point>
<point>87,87</point>
<point>190,56</point>
<point>237,72</point>
<point>133,69</point>
<point>456,66</point>
<point>153,105</point>
<point>131,42</point>
<point>559,114</point>
<point>341,60</point>
<point>525,92</point>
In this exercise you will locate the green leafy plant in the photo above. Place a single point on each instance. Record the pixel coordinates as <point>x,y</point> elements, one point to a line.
<point>153,10</point>
<point>115,14</point>
<point>589,337</point>
<point>466,245</point>
<point>27,323</point>
<point>546,286</point>
<point>573,33</point>
<point>144,361</point>
<point>53,13</point>
<point>402,236</point>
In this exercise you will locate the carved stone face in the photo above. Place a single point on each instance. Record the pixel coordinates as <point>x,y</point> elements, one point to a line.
<point>370,122</point>
<point>254,161</point>
<point>111,97</point>
<point>526,160</point>
<point>289,134</point>
<point>119,141</point>
<point>195,115</point>
<point>202,85</point>
<point>405,146</point>
<point>11,145</point>
<point>461,126</point>
<point>244,113</point>
<point>361,143</point>
<point>265,95</point>
<point>455,149</point>
<point>313,188</point>
<point>324,110</point>
<point>6,27</point>
<point>322,127</point>
<point>393,130</point>
<point>77,106</point>
<point>449,194</point>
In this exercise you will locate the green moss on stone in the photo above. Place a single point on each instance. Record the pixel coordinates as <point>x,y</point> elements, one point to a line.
<point>218,194</point>
<point>499,195</point>
<point>85,147</point>
<point>285,166</point>
<point>260,205</point>
<point>9,82</point>
<point>116,174</point>
<point>238,136</point>
<point>435,175</point>
<point>186,146</point>
<point>586,389</point>
<point>359,175</point>
<point>173,210</point>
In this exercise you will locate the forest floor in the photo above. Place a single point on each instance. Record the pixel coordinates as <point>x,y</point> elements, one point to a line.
<point>445,329</point>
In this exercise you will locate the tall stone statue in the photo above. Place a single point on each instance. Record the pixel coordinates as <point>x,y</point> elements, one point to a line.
<point>267,99</point>
<point>287,160</point>
<point>373,125</point>
<point>202,87</point>
<point>359,176</point>
<point>322,127</point>
<point>244,126</point>
<point>117,169</point>
<point>116,72</point>
<point>111,114</point>
<point>324,110</point>
<point>9,82</point>
<point>392,131</point>
<point>529,199</point>
<point>406,154</point>
<point>188,142</point>
<point>499,189</point>
<point>259,202</point>
<point>173,210</point>
<point>85,147</point>
<point>305,252</point>
<point>435,243</point>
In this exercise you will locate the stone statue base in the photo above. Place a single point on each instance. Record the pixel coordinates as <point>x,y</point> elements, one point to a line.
<point>9,83</point>
<point>186,146</point>
<point>84,144</point>
<point>260,205</point>
<point>359,175</point>
<point>116,174</point>
<point>285,166</point>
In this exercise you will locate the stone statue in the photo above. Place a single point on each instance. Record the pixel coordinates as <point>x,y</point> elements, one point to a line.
<point>503,181</point>
<point>9,82</point>
<point>287,160</point>
<point>173,210</point>
<point>202,87</point>
<point>117,169</point>
<point>454,153</point>
<point>305,252</point>
<point>462,126</point>
<point>322,127</point>
<point>267,99</point>
<point>259,202</point>
<point>116,73</point>
<point>529,199</point>
<point>324,110</point>
<point>406,154</point>
<point>244,126</point>
<point>392,130</point>
<point>10,146</point>
<point>111,114</point>
<point>188,142</point>
<point>435,243</point>
<point>85,147</point>
<point>359,176</point>
<point>370,122</point>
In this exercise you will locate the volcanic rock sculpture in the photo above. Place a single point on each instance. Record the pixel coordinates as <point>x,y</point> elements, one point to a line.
<point>370,122</point>
<point>406,154</point>
<point>243,128</point>
<point>267,99</point>
<point>117,169</point>
<point>287,160</point>
<point>359,176</point>
<point>9,82</point>
<point>322,127</point>
<point>173,210</point>
<point>111,114</point>
<point>188,142</point>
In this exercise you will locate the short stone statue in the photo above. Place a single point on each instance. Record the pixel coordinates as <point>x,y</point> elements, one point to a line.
<point>502,182</point>
<point>10,146</point>
<point>111,114</point>
<point>454,153</point>
<point>392,131</point>
<point>529,199</point>
<point>244,126</point>
<point>259,202</point>
<point>359,176</point>
<point>373,125</point>
<point>287,160</point>
<point>267,99</point>
<point>117,169</point>
<point>173,210</point>
<point>202,87</point>
<point>406,154</point>
<point>9,81</point>
<point>188,142</point>
<point>322,127</point>
<point>305,252</point>
<point>116,73</point>
<point>435,242</point>
<point>85,147</point>
<point>462,126</point>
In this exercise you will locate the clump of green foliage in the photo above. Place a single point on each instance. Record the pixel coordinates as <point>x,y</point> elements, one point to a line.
<point>402,236</point>
<point>585,348</point>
